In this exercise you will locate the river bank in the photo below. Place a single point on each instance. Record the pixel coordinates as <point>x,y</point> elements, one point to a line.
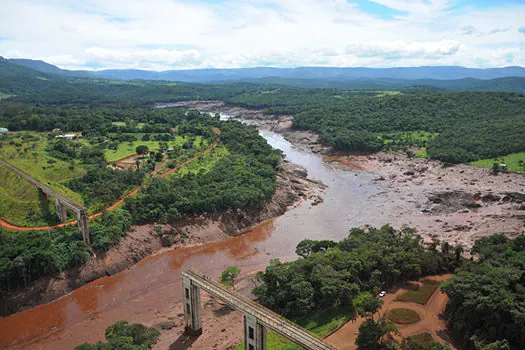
<point>458,203</point>
<point>293,188</point>
<point>150,292</point>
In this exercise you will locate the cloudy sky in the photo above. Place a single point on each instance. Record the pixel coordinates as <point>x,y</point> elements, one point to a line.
<point>182,34</point>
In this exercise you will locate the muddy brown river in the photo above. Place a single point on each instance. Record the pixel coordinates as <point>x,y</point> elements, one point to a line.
<point>153,286</point>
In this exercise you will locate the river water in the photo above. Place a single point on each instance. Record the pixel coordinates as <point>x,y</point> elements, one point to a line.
<point>153,286</point>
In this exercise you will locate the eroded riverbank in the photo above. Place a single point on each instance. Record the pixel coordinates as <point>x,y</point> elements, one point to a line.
<point>293,188</point>
<point>458,203</point>
<point>149,292</point>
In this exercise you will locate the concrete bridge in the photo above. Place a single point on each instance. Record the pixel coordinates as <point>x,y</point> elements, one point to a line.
<point>257,318</point>
<point>62,203</point>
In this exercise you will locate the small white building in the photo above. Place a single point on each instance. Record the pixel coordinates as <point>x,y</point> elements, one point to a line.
<point>68,137</point>
<point>3,131</point>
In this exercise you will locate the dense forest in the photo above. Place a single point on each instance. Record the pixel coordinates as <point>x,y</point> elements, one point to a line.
<point>240,173</point>
<point>471,126</point>
<point>332,274</point>
<point>345,276</point>
<point>26,256</point>
<point>244,178</point>
<point>487,296</point>
<point>486,310</point>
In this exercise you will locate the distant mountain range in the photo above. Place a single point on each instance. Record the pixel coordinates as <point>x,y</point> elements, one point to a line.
<point>314,73</point>
<point>453,78</point>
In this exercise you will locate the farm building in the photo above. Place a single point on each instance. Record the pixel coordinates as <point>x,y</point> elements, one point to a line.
<point>69,136</point>
<point>3,131</point>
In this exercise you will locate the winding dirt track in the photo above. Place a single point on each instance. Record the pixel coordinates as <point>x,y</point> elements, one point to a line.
<point>430,313</point>
<point>6,224</point>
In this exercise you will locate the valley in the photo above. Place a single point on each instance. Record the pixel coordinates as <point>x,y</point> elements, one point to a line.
<point>354,197</point>
<point>332,195</point>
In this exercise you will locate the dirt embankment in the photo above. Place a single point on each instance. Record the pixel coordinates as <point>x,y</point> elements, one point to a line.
<point>293,188</point>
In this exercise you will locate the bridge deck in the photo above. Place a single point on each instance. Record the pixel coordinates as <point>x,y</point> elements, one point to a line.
<point>46,189</point>
<point>270,319</point>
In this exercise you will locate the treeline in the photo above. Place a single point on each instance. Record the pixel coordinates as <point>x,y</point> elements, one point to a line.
<point>91,119</point>
<point>246,177</point>
<point>26,256</point>
<point>275,99</point>
<point>471,126</point>
<point>333,274</point>
<point>487,296</point>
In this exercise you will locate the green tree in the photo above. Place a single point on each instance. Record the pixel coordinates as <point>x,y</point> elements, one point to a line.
<point>366,305</point>
<point>123,336</point>
<point>229,275</point>
<point>376,335</point>
<point>141,149</point>
<point>304,248</point>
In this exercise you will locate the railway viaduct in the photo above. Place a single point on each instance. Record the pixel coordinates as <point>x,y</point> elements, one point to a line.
<point>257,318</point>
<point>62,203</point>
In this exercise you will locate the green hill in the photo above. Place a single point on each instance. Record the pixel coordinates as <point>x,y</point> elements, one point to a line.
<point>21,203</point>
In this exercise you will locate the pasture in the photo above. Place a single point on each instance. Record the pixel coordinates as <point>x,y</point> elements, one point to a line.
<point>515,162</point>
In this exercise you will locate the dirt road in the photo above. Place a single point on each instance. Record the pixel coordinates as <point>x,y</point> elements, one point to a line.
<point>431,321</point>
<point>6,224</point>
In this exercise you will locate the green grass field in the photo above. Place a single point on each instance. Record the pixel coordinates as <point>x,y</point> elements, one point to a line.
<point>403,139</point>
<point>204,163</point>
<point>30,155</point>
<point>515,162</point>
<point>407,137</point>
<point>421,294</point>
<point>21,203</point>
<point>403,316</point>
<point>126,149</point>
<point>139,125</point>
<point>4,96</point>
<point>320,323</point>
<point>422,339</point>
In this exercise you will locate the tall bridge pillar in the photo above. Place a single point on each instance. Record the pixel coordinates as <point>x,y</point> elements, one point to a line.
<point>192,307</point>
<point>61,210</point>
<point>254,333</point>
<point>83,225</point>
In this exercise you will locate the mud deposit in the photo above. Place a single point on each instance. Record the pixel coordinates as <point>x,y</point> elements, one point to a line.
<point>293,187</point>
<point>458,203</point>
<point>362,190</point>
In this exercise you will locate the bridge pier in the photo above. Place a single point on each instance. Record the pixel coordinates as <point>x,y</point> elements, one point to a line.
<point>192,307</point>
<point>254,333</point>
<point>83,225</point>
<point>61,210</point>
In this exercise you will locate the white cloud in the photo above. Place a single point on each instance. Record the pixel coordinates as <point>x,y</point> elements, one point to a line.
<point>175,34</point>
<point>399,49</point>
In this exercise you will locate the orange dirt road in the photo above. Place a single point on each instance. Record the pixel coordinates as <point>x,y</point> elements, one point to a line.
<point>6,224</point>
<point>430,313</point>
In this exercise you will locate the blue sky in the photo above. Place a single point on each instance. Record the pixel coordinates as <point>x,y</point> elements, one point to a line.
<point>179,34</point>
